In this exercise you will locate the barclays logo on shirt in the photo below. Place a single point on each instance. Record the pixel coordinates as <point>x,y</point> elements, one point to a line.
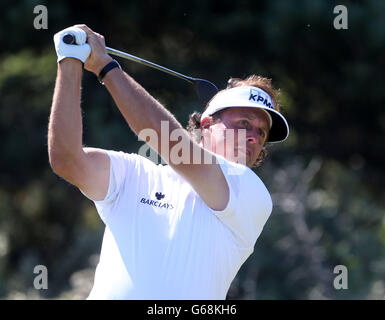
<point>156,203</point>
<point>159,195</point>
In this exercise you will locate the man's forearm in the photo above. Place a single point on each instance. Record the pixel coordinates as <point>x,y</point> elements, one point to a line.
<point>65,123</point>
<point>138,107</point>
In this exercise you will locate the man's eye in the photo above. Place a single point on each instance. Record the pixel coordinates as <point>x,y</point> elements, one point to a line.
<point>244,123</point>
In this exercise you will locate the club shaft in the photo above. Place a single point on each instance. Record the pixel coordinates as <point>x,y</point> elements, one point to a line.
<point>148,63</point>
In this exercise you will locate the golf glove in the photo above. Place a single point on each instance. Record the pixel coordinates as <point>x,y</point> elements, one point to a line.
<point>81,50</point>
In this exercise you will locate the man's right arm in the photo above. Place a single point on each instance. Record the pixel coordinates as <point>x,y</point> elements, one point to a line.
<point>86,168</point>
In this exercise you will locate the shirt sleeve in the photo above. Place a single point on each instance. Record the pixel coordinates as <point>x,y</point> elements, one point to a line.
<point>122,166</point>
<point>249,205</point>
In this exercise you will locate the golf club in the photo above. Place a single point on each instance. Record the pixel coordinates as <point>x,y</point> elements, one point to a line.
<point>205,89</point>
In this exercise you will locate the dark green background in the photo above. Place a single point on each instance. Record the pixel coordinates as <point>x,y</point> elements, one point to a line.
<point>326,180</point>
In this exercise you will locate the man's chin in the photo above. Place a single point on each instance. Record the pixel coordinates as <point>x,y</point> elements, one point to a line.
<point>239,157</point>
<point>242,158</point>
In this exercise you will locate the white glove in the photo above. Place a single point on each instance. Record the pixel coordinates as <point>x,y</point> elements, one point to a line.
<point>81,50</point>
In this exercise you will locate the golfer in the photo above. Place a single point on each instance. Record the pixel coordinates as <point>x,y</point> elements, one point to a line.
<point>175,231</point>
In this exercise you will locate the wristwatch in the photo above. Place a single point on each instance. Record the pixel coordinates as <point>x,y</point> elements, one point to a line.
<point>108,67</point>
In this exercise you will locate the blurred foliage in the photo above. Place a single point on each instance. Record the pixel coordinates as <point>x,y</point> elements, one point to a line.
<point>326,180</point>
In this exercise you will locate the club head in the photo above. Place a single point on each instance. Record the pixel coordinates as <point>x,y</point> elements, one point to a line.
<point>205,90</point>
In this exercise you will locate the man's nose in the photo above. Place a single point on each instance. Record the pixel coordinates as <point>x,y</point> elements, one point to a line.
<point>249,136</point>
<point>252,136</point>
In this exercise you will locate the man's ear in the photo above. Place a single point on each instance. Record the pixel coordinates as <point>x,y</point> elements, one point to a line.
<point>205,130</point>
<point>207,122</point>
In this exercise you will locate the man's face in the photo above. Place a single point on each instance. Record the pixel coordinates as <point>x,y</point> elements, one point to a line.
<point>247,143</point>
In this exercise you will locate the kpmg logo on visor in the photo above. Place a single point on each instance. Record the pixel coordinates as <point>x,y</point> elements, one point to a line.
<point>261,98</point>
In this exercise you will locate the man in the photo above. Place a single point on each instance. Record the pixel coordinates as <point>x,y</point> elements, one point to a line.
<point>179,231</point>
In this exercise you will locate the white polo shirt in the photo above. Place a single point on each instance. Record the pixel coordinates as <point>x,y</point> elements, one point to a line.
<point>162,242</point>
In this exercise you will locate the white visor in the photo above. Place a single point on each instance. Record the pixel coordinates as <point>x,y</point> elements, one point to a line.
<point>250,97</point>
